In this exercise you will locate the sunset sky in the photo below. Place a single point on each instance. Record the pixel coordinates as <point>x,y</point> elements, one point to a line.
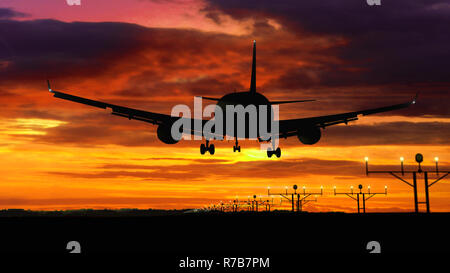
<point>153,54</point>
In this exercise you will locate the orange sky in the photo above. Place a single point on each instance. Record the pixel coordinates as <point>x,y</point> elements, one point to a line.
<point>59,155</point>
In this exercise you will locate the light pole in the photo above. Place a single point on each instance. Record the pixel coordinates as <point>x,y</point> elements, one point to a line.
<point>365,196</point>
<point>419,160</point>
<point>302,197</point>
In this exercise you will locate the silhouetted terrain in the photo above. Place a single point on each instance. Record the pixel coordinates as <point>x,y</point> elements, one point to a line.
<point>89,213</point>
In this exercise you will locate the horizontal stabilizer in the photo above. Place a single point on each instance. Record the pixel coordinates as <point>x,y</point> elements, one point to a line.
<point>208,98</point>
<point>289,101</point>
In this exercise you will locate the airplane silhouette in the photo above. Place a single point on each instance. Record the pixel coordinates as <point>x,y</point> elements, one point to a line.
<point>308,130</point>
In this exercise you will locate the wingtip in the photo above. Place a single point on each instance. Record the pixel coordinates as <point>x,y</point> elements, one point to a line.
<point>49,88</point>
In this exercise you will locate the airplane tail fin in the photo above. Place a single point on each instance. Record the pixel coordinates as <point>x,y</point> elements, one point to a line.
<point>253,81</point>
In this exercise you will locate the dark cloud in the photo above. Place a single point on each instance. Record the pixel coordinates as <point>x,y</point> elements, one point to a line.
<point>393,133</point>
<point>6,13</point>
<point>57,48</point>
<point>400,42</point>
<point>50,48</point>
<point>132,133</point>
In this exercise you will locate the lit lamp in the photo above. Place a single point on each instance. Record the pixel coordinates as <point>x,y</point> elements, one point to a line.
<point>368,189</point>
<point>385,189</point>
<point>367,165</point>
<point>401,164</point>
<point>304,193</point>
<point>436,159</point>
<point>334,188</point>
<point>268,190</point>
<point>351,189</point>
<point>321,190</point>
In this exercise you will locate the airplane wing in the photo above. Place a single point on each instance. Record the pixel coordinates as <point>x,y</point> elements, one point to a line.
<point>130,113</point>
<point>291,126</point>
<point>117,110</point>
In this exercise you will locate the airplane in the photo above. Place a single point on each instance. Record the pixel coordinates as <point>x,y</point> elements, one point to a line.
<point>307,130</point>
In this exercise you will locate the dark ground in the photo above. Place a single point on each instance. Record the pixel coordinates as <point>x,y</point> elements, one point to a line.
<point>168,235</point>
<point>164,238</point>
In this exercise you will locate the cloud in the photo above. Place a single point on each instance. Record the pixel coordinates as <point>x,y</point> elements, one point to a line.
<point>129,134</point>
<point>6,13</point>
<point>154,69</point>
<point>398,43</point>
<point>391,133</point>
<point>197,172</point>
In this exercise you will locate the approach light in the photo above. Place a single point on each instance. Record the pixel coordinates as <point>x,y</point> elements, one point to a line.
<point>366,158</point>
<point>436,159</point>
<point>419,158</point>
<point>402,159</point>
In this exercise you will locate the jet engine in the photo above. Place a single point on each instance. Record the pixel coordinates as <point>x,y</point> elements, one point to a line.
<point>309,135</point>
<point>165,135</point>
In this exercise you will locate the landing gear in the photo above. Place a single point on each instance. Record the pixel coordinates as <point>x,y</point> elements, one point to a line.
<point>277,152</point>
<point>206,147</point>
<point>236,147</point>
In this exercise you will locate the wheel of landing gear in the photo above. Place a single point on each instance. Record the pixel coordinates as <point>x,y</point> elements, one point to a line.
<point>239,148</point>
<point>202,149</point>
<point>211,149</point>
<point>269,153</point>
<point>278,152</point>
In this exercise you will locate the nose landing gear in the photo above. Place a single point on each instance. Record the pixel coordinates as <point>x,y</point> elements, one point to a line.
<point>206,147</point>
<point>236,147</point>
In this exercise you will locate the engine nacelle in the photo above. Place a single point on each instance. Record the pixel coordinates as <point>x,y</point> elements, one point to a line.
<point>309,135</point>
<point>165,135</point>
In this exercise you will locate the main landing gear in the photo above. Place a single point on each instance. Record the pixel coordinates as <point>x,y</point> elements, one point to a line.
<point>236,147</point>
<point>277,152</point>
<point>206,147</point>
